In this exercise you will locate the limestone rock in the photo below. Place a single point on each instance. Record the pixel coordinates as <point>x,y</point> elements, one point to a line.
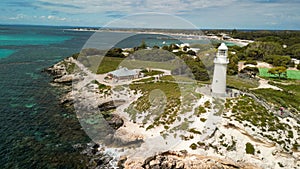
<point>64,79</point>
<point>125,137</point>
<point>182,160</point>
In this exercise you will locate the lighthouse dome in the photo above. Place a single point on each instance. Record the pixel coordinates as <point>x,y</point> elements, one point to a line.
<point>222,47</point>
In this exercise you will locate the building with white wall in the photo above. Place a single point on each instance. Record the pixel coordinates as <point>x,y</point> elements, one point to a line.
<point>218,87</point>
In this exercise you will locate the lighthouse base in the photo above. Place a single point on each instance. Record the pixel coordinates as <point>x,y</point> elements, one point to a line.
<point>218,94</point>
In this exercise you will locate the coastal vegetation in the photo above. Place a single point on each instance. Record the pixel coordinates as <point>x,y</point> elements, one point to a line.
<point>241,83</point>
<point>170,106</point>
<point>278,71</point>
<point>250,148</point>
<point>288,97</point>
<point>162,102</point>
<point>257,118</point>
<point>141,58</point>
<point>252,62</point>
<point>290,74</point>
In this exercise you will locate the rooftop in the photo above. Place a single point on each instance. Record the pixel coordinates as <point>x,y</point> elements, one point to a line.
<point>222,47</point>
<point>123,72</point>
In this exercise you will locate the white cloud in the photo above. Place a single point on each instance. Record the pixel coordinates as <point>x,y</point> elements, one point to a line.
<point>51,17</point>
<point>203,13</point>
<point>134,6</point>
<point>19,16</point>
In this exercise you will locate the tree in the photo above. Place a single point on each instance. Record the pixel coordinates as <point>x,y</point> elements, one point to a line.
<point>277,60</point>
<point>115,52</point>
<point>271,39</point>
<point>192,68</point>
<point>234,31</point>
<point>255,54</point>
<point>282,61</point>
<point>259,50</point>
<point>191,52</point>
<point>251,62</point>
<point>232,67</point>
<point>294,51</point>
<point>278,71</point>
<point>143,45</point>
<point>298,66</point>
<point>155,47</point>
<point>250,71</point>
<point>292,64</point>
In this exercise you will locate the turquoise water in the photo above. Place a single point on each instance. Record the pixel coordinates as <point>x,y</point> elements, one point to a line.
<point>5,53</point>
<point>36,132</point>
<point>31,39</point>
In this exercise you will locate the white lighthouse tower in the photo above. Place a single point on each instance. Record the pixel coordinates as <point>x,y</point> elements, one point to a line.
<point>218,86</point>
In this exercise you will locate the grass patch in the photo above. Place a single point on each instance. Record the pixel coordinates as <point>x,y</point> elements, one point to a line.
<point>166,99</point>
<point>150,79</point>
<point>175,78</point>
<point>162,103</point>
<point>241,83</point>
<point>70,67</point>
<point>102,87</point>
<point>291,74</point>
<point>152,72</point>
<point>140,64</point>
<point>289,97</point>
<point>109,64</point>
<point>246,109</point>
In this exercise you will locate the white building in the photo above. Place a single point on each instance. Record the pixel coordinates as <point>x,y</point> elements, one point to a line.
<point>218,86</point>
<point>124,74</point>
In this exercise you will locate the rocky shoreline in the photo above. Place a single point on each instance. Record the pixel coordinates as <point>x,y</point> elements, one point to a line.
<point>100,159</point>
<point>62,77</point>
<point>183,160</point>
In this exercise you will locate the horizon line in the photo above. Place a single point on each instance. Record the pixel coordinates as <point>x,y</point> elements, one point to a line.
<point>99,27</point>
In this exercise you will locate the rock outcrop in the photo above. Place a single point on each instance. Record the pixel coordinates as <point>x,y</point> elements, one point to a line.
<point>125,138</point>
<point>62,75</point>
<point>110,105</point>
<point>183,160</point>
<point>114,121</point>
<point>61,71</point>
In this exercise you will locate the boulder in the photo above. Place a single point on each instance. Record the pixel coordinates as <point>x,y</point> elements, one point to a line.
<point>113,104</point>
<point>182,160</point>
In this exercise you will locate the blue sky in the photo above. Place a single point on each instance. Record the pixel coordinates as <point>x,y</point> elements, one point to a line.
<point>240,14</point>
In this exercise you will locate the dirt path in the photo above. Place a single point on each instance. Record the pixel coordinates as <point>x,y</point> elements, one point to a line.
<point>263,84</point>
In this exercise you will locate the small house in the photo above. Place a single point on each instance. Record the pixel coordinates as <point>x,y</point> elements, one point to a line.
<point>124,74</point>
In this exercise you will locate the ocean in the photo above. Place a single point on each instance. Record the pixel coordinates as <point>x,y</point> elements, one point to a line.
<point>36,131</point>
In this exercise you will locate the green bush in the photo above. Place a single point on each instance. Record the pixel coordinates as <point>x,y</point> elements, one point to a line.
<point>193,146</point>
<point>252,62</point>
<point>249,148</point>
<point>203,119</point>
